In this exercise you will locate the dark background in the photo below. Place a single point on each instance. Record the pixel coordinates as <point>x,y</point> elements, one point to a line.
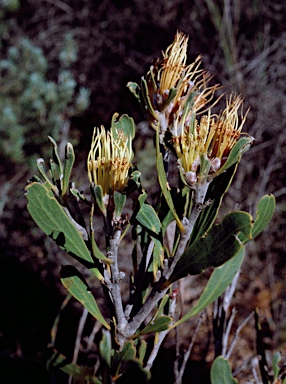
<point>244,46</point>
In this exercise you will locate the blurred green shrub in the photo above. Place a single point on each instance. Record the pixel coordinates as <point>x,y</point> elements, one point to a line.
<point>31,105</point>
<point>9,5</point>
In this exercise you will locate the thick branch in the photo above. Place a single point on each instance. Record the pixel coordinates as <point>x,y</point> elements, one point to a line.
<point>113,281</point>
<point>141,316</point>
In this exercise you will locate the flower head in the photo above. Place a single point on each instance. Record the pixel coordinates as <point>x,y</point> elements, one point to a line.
<point>208,141</point>
<point>173,90</point>
<point>225,129</point>
<point>109,160</point>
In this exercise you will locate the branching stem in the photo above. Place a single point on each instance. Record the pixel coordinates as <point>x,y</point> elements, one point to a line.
<point>156,293</point>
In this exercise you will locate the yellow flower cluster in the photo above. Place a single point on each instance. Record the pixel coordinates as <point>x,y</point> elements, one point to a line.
<point>109,160</point>
<point>172,94</point>
<point>176,90</point>
<point>213,138</point>
<point>175,93</point>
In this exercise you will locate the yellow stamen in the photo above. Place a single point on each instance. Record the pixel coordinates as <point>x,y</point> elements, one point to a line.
<point>190,83</point>
<point>213,137</point>
<point>174,62</point>
<point>109,160</point>
<point>225,130</point>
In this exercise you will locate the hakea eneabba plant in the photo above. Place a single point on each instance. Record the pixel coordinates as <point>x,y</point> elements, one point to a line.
<point>207,146</point>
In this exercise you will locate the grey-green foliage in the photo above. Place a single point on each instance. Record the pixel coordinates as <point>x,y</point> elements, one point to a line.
<point>31,105</point>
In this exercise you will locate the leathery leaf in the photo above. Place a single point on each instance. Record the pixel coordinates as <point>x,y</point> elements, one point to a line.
<point>148,218</point>
<point>215,194</point>
<point>164,184</point>
<point>160,324</point>
<point>68,165</point>
<point>240,147</point>
<point>52,219</point>
<point>124,124</point>
<point>217,284</point>
<point>105,347</point>
<point>75,283</point>
<point>221,372</point>
<point>220,244</point>
<point>264,213</point>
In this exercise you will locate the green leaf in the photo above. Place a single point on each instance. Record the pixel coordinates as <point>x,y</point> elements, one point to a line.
<point>60,361</point>
<point>58,169</point>
<point>95,272</point>
<point>167,220</point>
<point>126,125</point>
<point>75,283</point>
<point>135,89</point>
<point>158,257</point>
<point>217,284</point>
<point>275,361</point>
<point>119,202</point>
<point>147,104</point>
<point>240,147</point>
<point>221,372</point>
<point>142,350</point>
<point>54,172</point>
<point>160,324</point>
<point>265,211</point>
<point>77,194</point>
<point>97,194</point>
<point>164,184</point>
<point>133,182</point>
<point>215,194</point>
<point>128,353</point>
<point>96,251</point>
<point>160,310</point>
<point>40,166</point>
<point>105,347</point>
<point>147,217</point>
<point>68,165</point>
<point>141,199</point>
<point>220,244</point>
<point>52,219</point>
